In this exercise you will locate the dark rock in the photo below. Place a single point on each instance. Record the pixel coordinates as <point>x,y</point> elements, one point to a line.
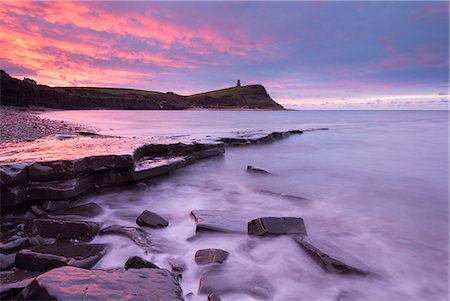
<point>13,174</point>
<point>13,195</point>
<point>61,190</point>
<point>53,228</point>
<point>57,170</point>
<point>137,235</point>
<point>234,141</point>
<point>150,219</point>
<point>52,205</point>
<point>86,210</point>
<point>13,281</point>
<point>206,256</point>
<point>6,261</point>
<point>226,282</point>
<point>136,262</point>
<point>328,263</point>
<point>257,170</point>
<point>276,226</point>
<point>49,256</point>
<point>177,267</point>
<point>288,197</point>
<point>82,284</point>
<point>37,211</point>
<point>213,297</point>
<point>218,221</point>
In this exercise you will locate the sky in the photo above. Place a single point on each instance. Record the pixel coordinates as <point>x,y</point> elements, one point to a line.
<point>308,55</point>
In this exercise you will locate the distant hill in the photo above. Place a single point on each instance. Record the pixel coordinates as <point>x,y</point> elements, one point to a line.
<point>24,93</point>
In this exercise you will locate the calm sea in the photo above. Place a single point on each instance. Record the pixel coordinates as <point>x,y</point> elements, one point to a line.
<point>376,184</point>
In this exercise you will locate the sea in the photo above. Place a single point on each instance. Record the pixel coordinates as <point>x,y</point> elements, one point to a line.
<point>374,187</point>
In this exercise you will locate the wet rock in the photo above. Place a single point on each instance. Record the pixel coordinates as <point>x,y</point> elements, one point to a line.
<point>61,189</point>
<point>277,226</point>
<point>86,210</point>
<point>6,261</point>
<point>49,256</point>
<point>56,170</point>
<point>177,266</point>
<point>288,197</point>
<point>37,211</point>
<point>53,228</point>
<point>13,281</point>
<point>137,235</point>
<point>213,297</point>
<point>320,251</point>
<point>226,282</point>
<point>151,219</point>
<point>52,205</point>
<point>257,170</point>
<point>234,141</point>
<point>82,284</point>
<point>136,262</point>
<point>218,221</point>
<point>13,174</point>
<point>206,256</point>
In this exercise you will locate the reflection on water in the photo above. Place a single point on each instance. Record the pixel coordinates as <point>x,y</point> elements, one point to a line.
<point>375,185</point>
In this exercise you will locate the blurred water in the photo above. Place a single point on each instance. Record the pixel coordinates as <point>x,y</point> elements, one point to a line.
<point>377,185</point>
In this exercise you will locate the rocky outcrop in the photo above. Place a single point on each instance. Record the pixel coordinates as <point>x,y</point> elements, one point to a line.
<point>53,228</point>
<point>81,284</point>
<point>207,256</point>
<point>151,219</point>
<point>277,226</point>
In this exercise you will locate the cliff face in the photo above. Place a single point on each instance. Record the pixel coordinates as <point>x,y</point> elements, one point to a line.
<point>23,93</point>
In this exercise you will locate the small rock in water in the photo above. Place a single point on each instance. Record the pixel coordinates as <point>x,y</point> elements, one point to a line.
<point>213,297</point>
<point>218,221</point>
<point>206,256</point>
<point>257,170</point>
<point>150,219</point>
<point>177,266</point>
<point>328,263</point>
<point>277,226</point>
<point>136,262</point>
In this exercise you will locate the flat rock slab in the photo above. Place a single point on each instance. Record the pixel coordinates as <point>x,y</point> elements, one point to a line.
<point>322,253</point>
<point>227,282</point>
<point>46,257</point>
<point>151,219</point>
<point>136,262</point>
<point>137,235</point>
<point>86,210</point>
<point>277,226</point>
<point>71,283</point>
<point>53,228</point>
<point>218,221</point>
<point>206,256</point>
<point>13,281</point>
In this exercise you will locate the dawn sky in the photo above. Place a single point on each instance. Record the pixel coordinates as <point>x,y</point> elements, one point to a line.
<point>313,55</point>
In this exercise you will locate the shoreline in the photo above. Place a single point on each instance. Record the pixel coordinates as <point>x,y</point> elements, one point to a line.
<point>24,124</point>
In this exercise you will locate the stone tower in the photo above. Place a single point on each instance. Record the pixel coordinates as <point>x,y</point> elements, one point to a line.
<point>238,83</point>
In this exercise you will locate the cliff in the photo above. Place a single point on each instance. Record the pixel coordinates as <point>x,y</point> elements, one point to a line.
<point>24,93</point>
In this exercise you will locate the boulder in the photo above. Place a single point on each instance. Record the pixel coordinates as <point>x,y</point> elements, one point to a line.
<point>276,226</point>
<point>206,256</point>
<point>53,228</point>
<point>136,262</point>
<point>322,253</point>
<point>83,211</point>
<point>151,219</point>
<point>13,281</point>
<point>218,221</point>
<point>82,284</point>
<point>49,256</point>
<point>257,170</point>
<point>232,282</point>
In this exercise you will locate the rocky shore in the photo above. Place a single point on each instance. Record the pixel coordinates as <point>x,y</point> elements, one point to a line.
<point>17,125</point>
<point>45,249</point>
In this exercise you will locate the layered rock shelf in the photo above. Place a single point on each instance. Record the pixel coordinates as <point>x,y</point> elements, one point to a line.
<point>62,169</point>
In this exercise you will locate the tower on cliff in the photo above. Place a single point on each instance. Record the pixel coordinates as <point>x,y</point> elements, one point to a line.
<point>238,83</point>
